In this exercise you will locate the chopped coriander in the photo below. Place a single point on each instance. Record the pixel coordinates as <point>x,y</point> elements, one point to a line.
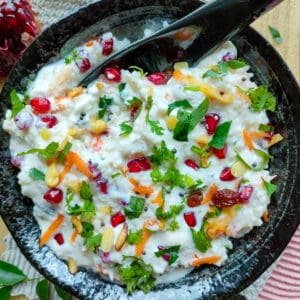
<point>126,129</point>
<point>93,242</point>
<point>172,251</point>
<point>134,238</point>
<point>48,153</point>
<point>154,125</point>
<point>270,187</point>
<point>87,230</point>
<point>85,192</point>
<point>74,56</point>
<point>201,241</point>
<point>213,214</point>
<point>62,155</point>
<point>16,103</point>
<point>36,174</point>
<point>161,155</point>
<point>261,98</point>
<point>173,212</point>
<point>135,207</point>
<point>121,87</point>
<point>103,106</point>
<point>220,135</point>
<point>115,175</point>
<point>137,274</point>
<point>263,164</point>
<point>264,127</point>
<point>179,103</point>
<point>275,34</point>
<point>174,225</point>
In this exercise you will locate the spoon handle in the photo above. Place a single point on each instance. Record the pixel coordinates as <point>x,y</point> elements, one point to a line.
<point>219,21</point>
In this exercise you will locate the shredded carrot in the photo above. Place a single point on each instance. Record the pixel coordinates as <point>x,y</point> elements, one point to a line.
<point>96,143</point>
<point>184,34</point>
<point>179,76</point>
<point>257,134</point>
<point>89,44</point>
<point>133,181</point>
<point>80,164</point>
<point>205,260</point>
<point>139,248</point>
<point>247,140</point>
<point>67,168</point>
<point>74,236</point>
<point>144,190</point>
<point>244,96</point>
<point>158,199</point>
<point>211,191</point>
<point>265,216</point>
<point>51,229</point>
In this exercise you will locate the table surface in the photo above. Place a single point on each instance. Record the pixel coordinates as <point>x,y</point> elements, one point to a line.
<point>286,18</point>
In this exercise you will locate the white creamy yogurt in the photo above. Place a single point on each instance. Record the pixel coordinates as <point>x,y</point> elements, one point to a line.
<point>108,170</point>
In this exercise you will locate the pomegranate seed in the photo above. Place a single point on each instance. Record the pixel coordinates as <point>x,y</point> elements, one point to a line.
<point>225,198</point>
<point>226,175</point>
<point>211,122</point>
<point>107,46</point>
<point>245,193</point>
<point>16,161</point>
<point>158,78</point>
<point>112,73</point>
<point>50,120</point>
<point>103,186</point>
<point>165,256</point>
<point>82,61</point>
<point>220,153</point>
<point>54,195</point>
<point>104,257</point>
<point>138,165</point>
<point>40,105</point>
<point>194,198</point>
<point>228,56</point>
<point>192,164</point>
<point>117,219</point>
<point>23,120</point>
<point>96,173</point>
<point>190,219</point>
<point>59,238</point>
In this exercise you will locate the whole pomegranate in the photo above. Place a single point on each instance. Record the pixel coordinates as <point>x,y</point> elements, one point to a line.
<point>18,28</point>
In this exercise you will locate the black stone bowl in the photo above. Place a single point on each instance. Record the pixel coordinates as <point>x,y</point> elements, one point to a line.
<point>253,253</point>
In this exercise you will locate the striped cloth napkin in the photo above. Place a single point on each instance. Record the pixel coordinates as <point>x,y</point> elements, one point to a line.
<point>284,282</point>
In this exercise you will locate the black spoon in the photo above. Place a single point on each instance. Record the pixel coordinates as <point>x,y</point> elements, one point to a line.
<point>219,21</point>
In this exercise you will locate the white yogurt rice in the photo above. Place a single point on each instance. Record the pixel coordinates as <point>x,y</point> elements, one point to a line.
<point>120,204</point>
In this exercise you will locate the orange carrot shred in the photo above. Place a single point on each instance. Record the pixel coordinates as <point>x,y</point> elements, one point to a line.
<point>51,229</point>
<point>139,248</point>
<point>179,76</point>
<point>74,236</point>
<point>208,196</point>
<point>248,140</point>
<point>205,260</point>
<point>265,216</point>
<point>257,134</point>
<point>244,96</point>
<point>133,181</point>
<point>158,199</point>
<point>144,190</point>
<point>80,164</point>
<point>67,168</point>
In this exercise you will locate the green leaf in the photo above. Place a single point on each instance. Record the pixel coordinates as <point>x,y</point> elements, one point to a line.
<point>172,251</point>
<point>264,163</point>
<point>265,128</point>
<point>173,212</point>
<point>174,225</point>
<point>213,214</point>
<point>179,103</point>
<point>220,135</point>
<point>115,175</point>
<point>135,207</point>
<point>261,99</point>
<point>5,292</point>
<point>134,238</point>
<point>154,126</point>
<point>275,35</point>
<point>87,230</point>
<point>62,294</point>
<point>137,274</point>
<point>192,88</point>
<point>161,155</point>
<point>235,64</point>
<point>36,174</point>
<point>125,128</point>
<point>198,114</point>
<point>156,176</point>
<point>142,72</point>
<point>43,290</point>
<point>48,153</point>
<point>121,87</point>
<point>201,241</point>
<point>85,191</point>
<point>16,103</point>
<point>270,187</point>
<point>72,57</point>
<point>104,103</point>
<point>10,274</point>
<point>62,155</point>
<point>93,242</point>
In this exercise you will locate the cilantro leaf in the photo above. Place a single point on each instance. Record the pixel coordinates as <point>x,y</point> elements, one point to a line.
<point>104,103</point>
<point>134,238</point>
<point>121,87</point>
<point>36,174</point>
<point>161,155</point>
<point>275,34</point>
<point>87,230</point>
<point>93,242</point>
<point>126,129</point>
<point>72,57</point>
<point>173,212</point>
<point>48,153</point>
<point>213,214</point>
<point>261,99</point>
<point>156,176</point>
<point>85,192</point>
<point>174,225</point>
<point>62,155</point>
<point>135,207</point>
<point>270,187</point>
<point>115,175</point>
<point>154,125</point>
<point>179,103</point>
<point>172,251</point>
<point>201,241</point>
<point>16,103</point>
<point>220,135</point>
<point>137,274</point>
<point>198,114</point>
